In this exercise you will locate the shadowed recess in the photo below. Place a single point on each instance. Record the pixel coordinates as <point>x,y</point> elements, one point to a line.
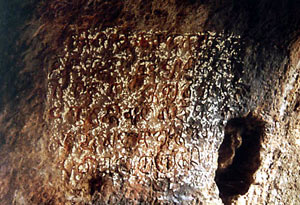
<point>239,156</point>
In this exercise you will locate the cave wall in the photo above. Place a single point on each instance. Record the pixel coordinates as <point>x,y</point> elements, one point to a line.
<point>244,58</point>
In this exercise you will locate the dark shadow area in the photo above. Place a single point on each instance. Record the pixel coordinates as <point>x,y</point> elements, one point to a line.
<point>268,28</point>
<point>239,156</point>
<point>273,22</point>
<point>14,18</point>
<point>95,184</point>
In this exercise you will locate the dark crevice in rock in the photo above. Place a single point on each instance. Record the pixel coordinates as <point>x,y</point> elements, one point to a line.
<point>239,156</point>
<point>95,184</point>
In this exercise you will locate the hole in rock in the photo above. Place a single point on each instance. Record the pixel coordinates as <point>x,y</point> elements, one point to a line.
<point>239,156</point>
<point>96,183</point>
<point>101,186</point>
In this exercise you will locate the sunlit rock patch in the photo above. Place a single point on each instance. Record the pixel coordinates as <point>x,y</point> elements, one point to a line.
<point>139,116</point>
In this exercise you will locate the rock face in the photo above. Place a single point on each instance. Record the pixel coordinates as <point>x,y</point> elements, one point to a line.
<point>154,102</point>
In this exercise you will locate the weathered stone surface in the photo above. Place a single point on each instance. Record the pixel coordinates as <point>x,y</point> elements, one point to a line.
<point>125,102</point>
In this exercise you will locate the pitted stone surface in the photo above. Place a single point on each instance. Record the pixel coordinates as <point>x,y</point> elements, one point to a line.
<point>143,110</point>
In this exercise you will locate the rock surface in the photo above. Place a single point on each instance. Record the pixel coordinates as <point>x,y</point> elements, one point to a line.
<point>128,102</point>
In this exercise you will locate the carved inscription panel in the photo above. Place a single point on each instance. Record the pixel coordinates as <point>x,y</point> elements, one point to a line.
<point>130,108</point>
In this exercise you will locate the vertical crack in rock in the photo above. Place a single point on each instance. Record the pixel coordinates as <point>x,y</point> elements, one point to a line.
<point>239,156</point>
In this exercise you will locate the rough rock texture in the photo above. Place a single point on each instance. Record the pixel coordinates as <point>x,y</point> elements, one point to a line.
<point>128,102</point>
